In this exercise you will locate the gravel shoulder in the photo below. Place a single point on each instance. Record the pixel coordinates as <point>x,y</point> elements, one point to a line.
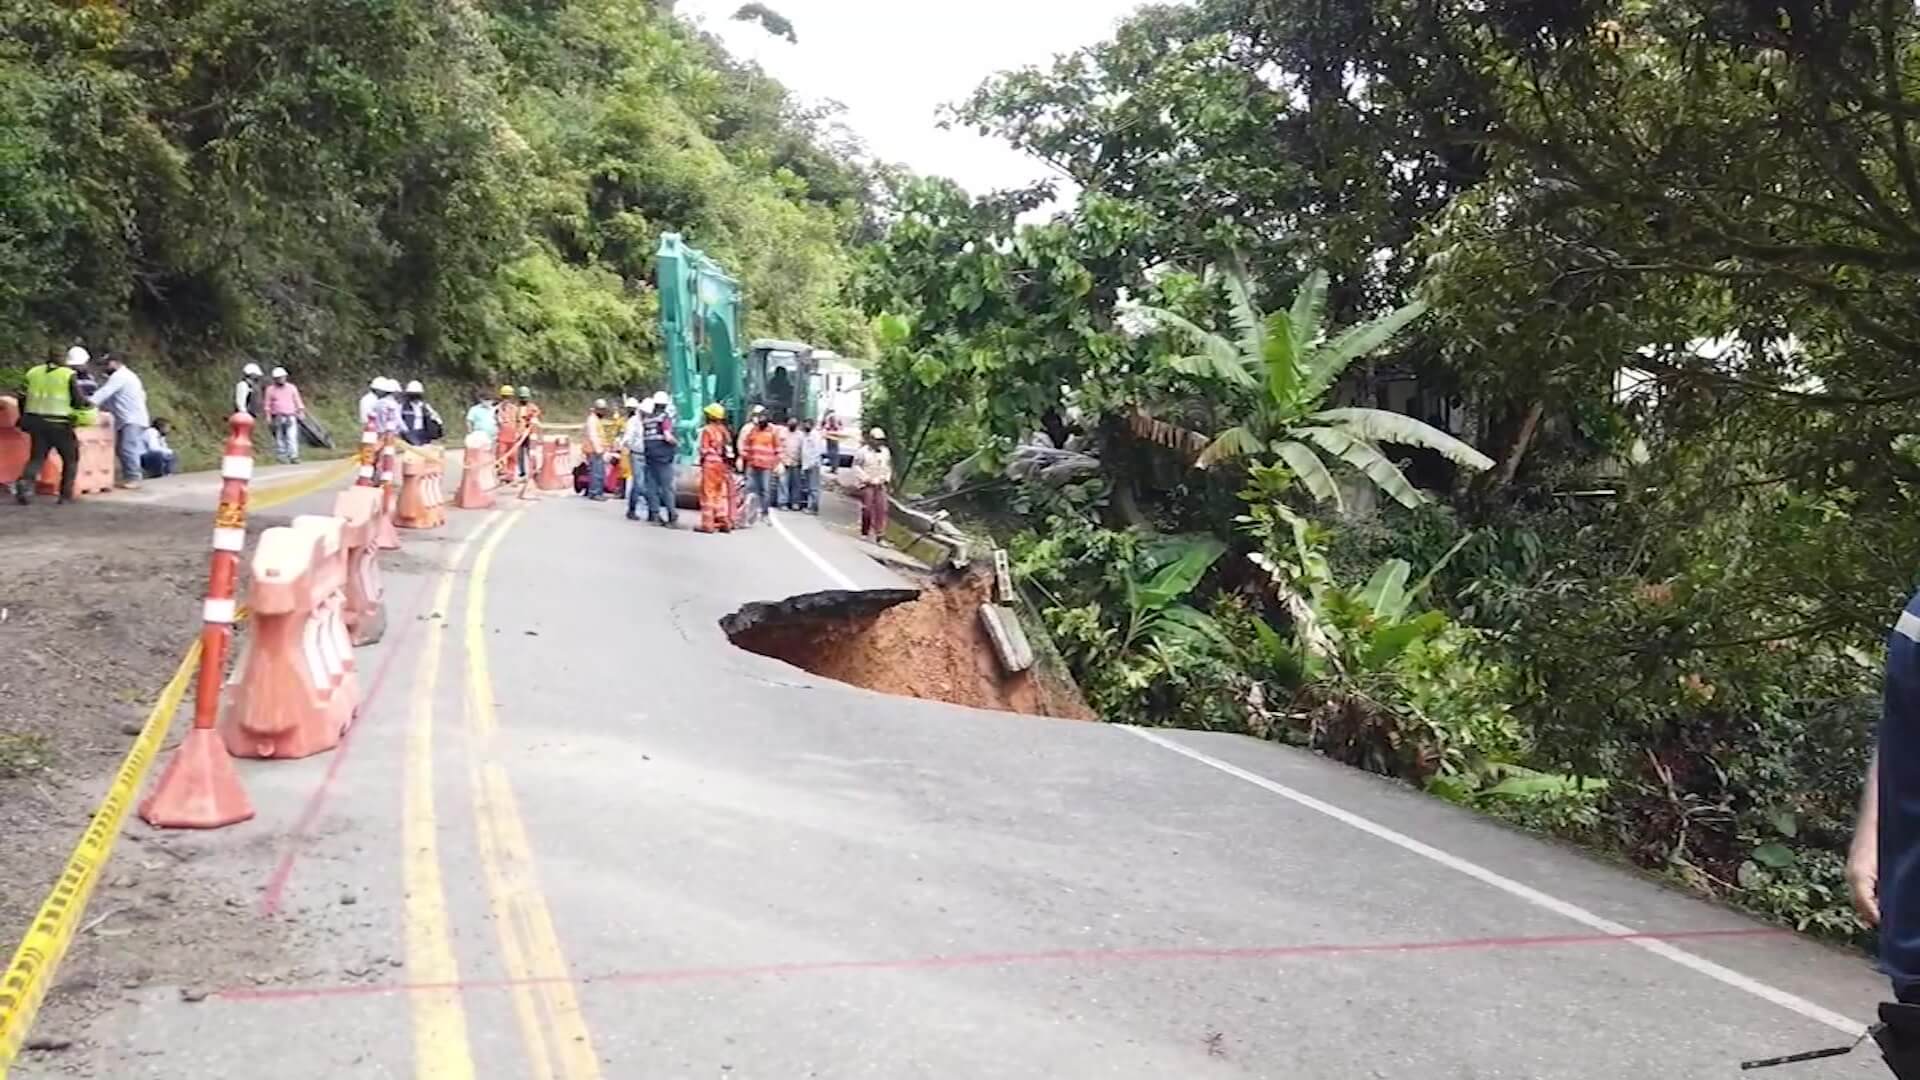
<point>98,604</point>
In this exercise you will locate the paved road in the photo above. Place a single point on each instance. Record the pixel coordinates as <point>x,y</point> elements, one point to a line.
<point>596,841</point>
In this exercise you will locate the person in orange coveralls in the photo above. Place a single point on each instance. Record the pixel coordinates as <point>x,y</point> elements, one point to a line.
<point>716,472</point>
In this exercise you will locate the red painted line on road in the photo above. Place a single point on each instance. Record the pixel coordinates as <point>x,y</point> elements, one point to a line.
<point>1094,957</point>
<point>274,892</point>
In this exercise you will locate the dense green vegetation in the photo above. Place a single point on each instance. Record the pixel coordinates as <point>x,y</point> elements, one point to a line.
<point>452,187</point>
<point>1653,623</point>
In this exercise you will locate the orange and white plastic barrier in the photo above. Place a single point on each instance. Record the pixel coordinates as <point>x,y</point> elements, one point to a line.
<point>95,467</point>
<point>14,444</point>
<point>199,788</point>
<point>475,471</point>
<point>294,693</point>
<point>553,459</point>
<point>366,609</point>
<point>420,503</point>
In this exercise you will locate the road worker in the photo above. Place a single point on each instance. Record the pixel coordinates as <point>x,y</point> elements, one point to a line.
<point>365,410</point>
<point>125,396</point>
<point>716,472</point>
<point>760,450</point>
<point>419,420</point>
<point>285,410</point>
<point>246,395</point>
<point>599,448</point>
<point>873,475</point>
<point>507,448</point>
<point>53,402</point>
<point>530,425</point>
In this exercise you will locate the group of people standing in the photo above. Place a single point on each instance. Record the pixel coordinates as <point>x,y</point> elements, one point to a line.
<point>402,412</point>
<point>513,422</point>
<point>782,466</point>
<point>62,395</point>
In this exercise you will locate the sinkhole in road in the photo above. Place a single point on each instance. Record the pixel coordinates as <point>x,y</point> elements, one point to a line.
<point>923,643</point>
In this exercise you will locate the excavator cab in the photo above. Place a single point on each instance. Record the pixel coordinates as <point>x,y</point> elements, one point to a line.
<point>780,376</point>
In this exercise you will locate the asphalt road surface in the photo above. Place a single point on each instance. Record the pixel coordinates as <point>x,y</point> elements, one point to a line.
<point>585,837</point>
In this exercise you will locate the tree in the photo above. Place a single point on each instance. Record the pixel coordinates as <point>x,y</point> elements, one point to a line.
<point>770,20</point>
<point>1277,372</point>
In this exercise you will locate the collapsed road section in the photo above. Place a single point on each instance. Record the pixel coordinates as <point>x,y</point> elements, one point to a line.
<point>927,643</point>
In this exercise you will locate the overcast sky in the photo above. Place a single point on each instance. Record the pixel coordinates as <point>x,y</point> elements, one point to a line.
<point>893,63</point>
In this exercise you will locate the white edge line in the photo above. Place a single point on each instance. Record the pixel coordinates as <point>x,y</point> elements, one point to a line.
<point>1531,895</point>
<point>833,573</point>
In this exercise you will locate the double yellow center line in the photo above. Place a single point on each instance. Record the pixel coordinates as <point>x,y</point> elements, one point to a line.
<point>552,1026</point>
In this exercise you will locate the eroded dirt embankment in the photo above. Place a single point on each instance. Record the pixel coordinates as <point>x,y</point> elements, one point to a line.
<point>925,643</point>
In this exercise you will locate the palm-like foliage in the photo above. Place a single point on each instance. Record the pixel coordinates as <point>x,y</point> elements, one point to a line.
<point>1276,371</point>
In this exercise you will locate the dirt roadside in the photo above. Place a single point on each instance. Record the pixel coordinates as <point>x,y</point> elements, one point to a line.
<point>97,605</point>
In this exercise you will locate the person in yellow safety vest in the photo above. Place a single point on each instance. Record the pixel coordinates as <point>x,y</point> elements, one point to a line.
<point>54,401</point>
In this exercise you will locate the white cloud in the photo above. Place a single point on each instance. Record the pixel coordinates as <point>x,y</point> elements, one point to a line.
<point>893,64</point>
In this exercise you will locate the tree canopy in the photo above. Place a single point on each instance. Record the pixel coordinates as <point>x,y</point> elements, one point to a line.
<point>468,186</point>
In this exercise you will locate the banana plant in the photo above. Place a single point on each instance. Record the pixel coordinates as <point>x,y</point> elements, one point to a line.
<point>1154,609</point>
<point>1277,369</point>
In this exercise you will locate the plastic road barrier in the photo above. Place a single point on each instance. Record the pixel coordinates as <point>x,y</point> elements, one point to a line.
<point>366,609</point>
<point>475,471</point>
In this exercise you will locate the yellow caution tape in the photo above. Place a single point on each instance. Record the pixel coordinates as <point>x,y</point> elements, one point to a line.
<point>286,493</point>
<point>30,973</point>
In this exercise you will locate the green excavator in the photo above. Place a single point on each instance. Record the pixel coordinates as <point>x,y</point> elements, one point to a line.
<point>700,307</point>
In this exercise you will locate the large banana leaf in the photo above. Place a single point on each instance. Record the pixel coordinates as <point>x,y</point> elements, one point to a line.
<point>1172,436</point>
<point>1281,362</point>
<point>1229,445</point>
<point>1190,626</point>
<point>1389,641</point>
<point>1309,307</point>
<point>1382,425</point>
<point>1386,592</point>
<point>1179,575</point>
<point>1246,317</point>
<point>1324,365</point>
<point>1310,471</point>
<point>1217,357</point>
<point>1366,457</point>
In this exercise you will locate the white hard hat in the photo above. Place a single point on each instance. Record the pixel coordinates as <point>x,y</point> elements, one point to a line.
<point>876,433</point>
<point>251,369</point>
<point>646,407</point>
<point>389,385</point>
<point>376,382</point>
<point>599,403</point>
<point>414,387</point>
<point>279,373</point>
<point>77,357</point>
<point>661,398</point>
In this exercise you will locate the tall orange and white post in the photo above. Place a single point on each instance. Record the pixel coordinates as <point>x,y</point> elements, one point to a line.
<point>369,446</point>
<point>199,788</point>
<point>385,536</point>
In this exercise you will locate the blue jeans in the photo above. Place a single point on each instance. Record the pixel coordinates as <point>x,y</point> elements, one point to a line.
<point>657,479</point>
<point>156,464</point>
<point>596,475</point>
<point>129,442</point>
<point>286,439</point>
<point>760,483</point>
<point>800,485</point>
